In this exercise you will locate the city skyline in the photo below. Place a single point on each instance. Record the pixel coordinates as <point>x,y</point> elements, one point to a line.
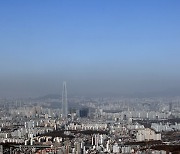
<point>89,77</point>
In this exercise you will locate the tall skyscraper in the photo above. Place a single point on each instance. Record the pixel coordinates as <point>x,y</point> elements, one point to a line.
<point>64,101</point>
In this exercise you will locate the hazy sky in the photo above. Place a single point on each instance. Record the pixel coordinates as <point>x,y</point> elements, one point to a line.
<point>97,46</point>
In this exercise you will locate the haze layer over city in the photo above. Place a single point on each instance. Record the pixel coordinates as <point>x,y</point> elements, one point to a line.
<point>89,77</point>
<point>115,48</point>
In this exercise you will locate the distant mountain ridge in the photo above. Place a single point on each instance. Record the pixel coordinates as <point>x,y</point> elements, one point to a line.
<point>48,96</point>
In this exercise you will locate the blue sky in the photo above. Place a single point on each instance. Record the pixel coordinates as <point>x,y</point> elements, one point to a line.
<point>131,43</point>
